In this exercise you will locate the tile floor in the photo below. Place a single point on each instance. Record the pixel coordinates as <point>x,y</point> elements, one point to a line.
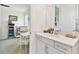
<point>12,46</point>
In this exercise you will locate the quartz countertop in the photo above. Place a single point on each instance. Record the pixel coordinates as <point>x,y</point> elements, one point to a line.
<point>60,38</point>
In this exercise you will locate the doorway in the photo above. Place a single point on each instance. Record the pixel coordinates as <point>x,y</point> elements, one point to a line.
<point>19,42</point>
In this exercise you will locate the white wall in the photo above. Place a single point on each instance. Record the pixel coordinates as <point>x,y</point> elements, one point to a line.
<point>50,15</point>
<point>0,22</point>
<point>77,17</point>
<point>41,17</point>
<point>37,23</point>
<point>4,21</point>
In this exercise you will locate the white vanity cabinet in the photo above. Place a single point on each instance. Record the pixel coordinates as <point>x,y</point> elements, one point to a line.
<point>47,45</point>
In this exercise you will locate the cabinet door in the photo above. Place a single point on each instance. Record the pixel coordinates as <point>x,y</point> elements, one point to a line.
<point>40,47</point>
<point>52,50</point>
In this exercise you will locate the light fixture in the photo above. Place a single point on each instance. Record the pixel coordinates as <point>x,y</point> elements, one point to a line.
<point>4,5</point>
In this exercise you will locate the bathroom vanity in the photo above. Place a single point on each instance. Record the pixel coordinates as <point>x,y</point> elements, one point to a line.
<point>56,44</point>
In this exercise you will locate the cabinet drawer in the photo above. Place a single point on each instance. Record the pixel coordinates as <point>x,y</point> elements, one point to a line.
<point>55,51</point>
<point>45,40</point>
<point>48,41</point>
<point>52,50</point>
<point>62,47</point>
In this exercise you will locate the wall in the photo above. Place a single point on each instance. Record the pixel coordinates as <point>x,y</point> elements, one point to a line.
<point>4,21</point>
<point>41,18</point>
<point>77,17</point>
<point>37,23</point>
<point>50,15</point>
<point>0,22</point>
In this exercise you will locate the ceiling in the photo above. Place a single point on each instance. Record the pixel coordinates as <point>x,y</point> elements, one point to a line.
<point>19,7</point>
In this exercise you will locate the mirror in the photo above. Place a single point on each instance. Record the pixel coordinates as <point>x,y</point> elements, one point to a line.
<point>65,17</point>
